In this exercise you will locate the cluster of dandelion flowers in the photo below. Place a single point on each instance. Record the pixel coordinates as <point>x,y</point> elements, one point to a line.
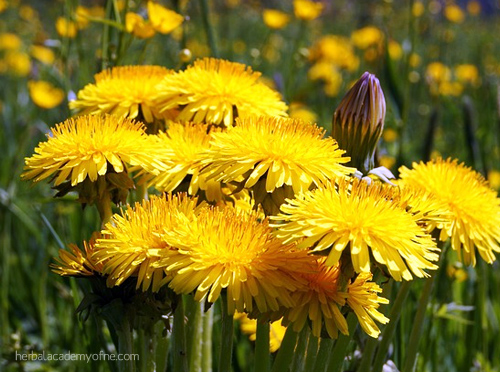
<point>134,243</point>
<point>216,91</point>
<point>186,142</point>
<point>366,218</point>
<point>235,251</point>
<point>283,151</point>
<point>76,262</point>
<point>124,91</point>
<point>90,146</point>
<point>473,206</point>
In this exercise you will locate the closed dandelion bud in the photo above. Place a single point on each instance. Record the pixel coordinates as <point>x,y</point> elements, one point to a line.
<point>358,121</point>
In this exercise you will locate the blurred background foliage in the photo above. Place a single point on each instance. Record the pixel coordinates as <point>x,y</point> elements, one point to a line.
<point>439,66</point>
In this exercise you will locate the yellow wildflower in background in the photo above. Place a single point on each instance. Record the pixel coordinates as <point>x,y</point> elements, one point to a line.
<point>44,94</point>
<point>162,19</point>
<point>364,218</point>
<point>134,242</point>
<point>138,26</point>
<point>474,7</point>
<point>276,330</point>
<point>275,19</point>
<point>454,13</point>
<point>473,205</point>
<point>66,28</point>
<point>216,91</point>
<point>467,74</point>
<point>81,14</point>
<point>10,41</point>
<point>395,50</point>
<point>234,250</point>
<point>327,72</point>
<point>124,91</point>
<point>336,49</point>
<point>280,150</point>
<point>366,37</point>
<point>91,146</point>
<point>302,112</point>
<point>494,179</point>
<point>418,9</point>
<point>363,298</point>
<point>307,10</point>
<point>3,5</point>
<point>17,63</point>
<point>43,54</point>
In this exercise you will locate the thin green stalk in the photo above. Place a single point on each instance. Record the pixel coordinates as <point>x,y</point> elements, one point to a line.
<point>105,37</point>
<point>162,347</point>
<point>340,349</point>
<point>226,342</point>
<point>325,349</point>
<point>300,350</point>
<point>209,30</point>
<point>206,350</point>
<point>390,328</point>
<point>124,333</point>
<point>180,362</point>
<point>4,288</point>
<point>262,354</point>
<point>195,326</point>
<point>285,354</point>
<point>311,353</point>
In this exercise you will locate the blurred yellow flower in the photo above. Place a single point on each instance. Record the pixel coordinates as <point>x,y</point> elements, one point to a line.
<point>3,5</point>
<point>474,7</point>
<point>18,63</point>
<point>467,74</point>
<point>415,60</point>
<point>81,14</point>
<point>66,28</point>
<point>494,179</point>
<point>276,330</point>
<point>395,50</point>
<point>44,94</point>
<point>137,26</point>
<point>437,72</point>
<point>162,19</point>
<point>326,71</point>
<point>418,9</point>
<point>387,161</point>
<point>43,54</point>
<point>307,10</point>
<point>336,49</point>
<point>366,37</point>
<point>10,41</point>
<point>454,13</point>
<point>275,19</point>
<point>389,135</point>
<point>450,88</point>
<point>27,13</point>
<point>301,111</point>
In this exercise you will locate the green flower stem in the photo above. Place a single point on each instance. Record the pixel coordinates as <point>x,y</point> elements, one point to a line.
<point>195,329</point>
<point>105,37</point>
<point>206,349</point>
<point>285,354</point>
<point>340,349</point>
<point>209,30</point>
<point>300,350</point>
<point>124,333</point>
<point>180,362</point>
<point>311,353</point>
<point>104,207</point>
<point>325,349</point>
<point>390,328</point>
<point>262,355</point>
<point>162,347</point>
<point>226,342</point>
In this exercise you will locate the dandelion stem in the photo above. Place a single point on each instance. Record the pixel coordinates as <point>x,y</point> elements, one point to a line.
<point>390,328</point>
<point>124,333</point>
<point>285,353</point>
<point>179,336</point>
<point>206,351</point>
<point>195,329</point>
<point>209,30</point>
<point>325,349</point>
<point>226,346</point>
<point>311,353</point>
<point>262,356</point>
<point>340,349</point>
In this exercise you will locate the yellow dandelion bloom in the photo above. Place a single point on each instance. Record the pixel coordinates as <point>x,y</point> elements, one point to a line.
<point>137,26</point>
<point>216,91</point>
<point>162,19</point>
<point>366,219</point>
<point>474,7</point>
<point>366,37</point>
<point>234,250</point>
<point>82,15</point>
<point>307,10</point>
<point>77,262</point>
<point>336,49</point>
<point>418,9</point>
<point>125,91</point>
<point>18,63</point>
<point>276,330</point>
<point>10,41</point>
<point>134,242</point>
<point>395,50</point>
<point>66,28</point>
<point>43,54</point>
<point>275,19</point>
<point>319,301</point>
<point>284,151</point>
<point>467,74</point>
<point>185,144</point>
<point>454,13</point>
<point>300,111</point>
<point>44,94</point>
<point>364,300</point>
<point>90,146</point>
<point>474,206</point>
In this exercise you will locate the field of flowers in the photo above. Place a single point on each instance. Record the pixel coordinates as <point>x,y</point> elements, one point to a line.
<point>249,185</point>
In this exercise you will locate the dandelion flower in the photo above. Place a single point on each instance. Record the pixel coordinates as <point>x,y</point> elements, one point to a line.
<point>138,26</point>
<point>365,219</point>
<point>278,151</point>
<point>162,19</point>
<point>44,94</point>
<point>91,146</point>
<point>307,10</point>
<point>364,300</point>
<point>276,330</point>
<point>216,91</point>
<point>234,250</point>
<point>77,262</point>
<point>135,241</point>
<point>474,206</point>
<point>124,91</point>
<point>275,19</point>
